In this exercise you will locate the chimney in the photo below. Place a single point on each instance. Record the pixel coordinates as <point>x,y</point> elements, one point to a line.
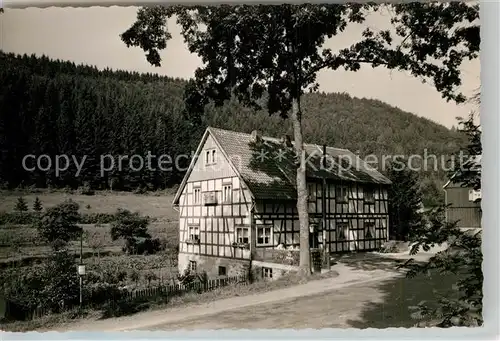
<point>287,140</point>
<point>255,136</point>
<point>323,158</point>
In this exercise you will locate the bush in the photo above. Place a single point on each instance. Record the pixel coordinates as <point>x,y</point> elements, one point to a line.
<point>52,285</point>
<point>100,293</point>
<point>140,190</point>
<point>19,234</point>
<point>124,307</point>
<point>86,189</point>
<point>463,258</point>
<point>131,227</point>
<point>58,225</point>
<point>394,246</point>
<point>134,276</point>
<point>142,246</point>
<point>15,218</point>
<point>97,218</point>
<point>28,218</point>
<point>149,277</point>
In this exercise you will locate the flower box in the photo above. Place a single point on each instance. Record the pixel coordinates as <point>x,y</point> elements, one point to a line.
<point>241,245</point>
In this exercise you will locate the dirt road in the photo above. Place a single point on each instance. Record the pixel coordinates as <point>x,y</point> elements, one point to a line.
<point>381,301</point>
<point>330,302</point>
<point>149,320</point>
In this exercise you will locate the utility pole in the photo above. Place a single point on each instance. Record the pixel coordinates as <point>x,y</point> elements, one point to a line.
<point>81,269</point>
<point>326,251</point>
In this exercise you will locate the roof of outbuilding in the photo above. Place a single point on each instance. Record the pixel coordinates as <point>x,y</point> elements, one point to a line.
<point>473,163</point>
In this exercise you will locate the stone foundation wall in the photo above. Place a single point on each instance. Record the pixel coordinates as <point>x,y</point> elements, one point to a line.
<point>278,269</point>
<point>234,267</point>
<point>280,256</point>
<point>257,273</point>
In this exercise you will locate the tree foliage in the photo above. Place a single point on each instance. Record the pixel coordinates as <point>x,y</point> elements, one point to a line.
<point>37,205</point>
<point>52,285</point>
<point>58,224</point>
<point>432,193</point>
<point>405,202</point>
<point>125,108</point>
<point>248,50</point>
<point>57,108</point>
<point>62,285</point>
<point>95,240</point>
<point>468,173</point>
<point>21,205</point>
<point>270,56</point>
<point>130,227</point>
<point>463,257</point>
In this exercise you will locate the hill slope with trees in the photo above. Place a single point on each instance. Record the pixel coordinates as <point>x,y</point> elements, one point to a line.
<point>55,107</point>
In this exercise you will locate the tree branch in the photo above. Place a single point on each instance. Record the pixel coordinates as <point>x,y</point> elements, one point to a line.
<point>336,62</point>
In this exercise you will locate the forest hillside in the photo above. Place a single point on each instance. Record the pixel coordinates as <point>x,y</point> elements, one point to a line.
<point>55,107</point>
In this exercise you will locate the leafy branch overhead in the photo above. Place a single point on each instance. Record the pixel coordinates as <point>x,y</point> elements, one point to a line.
<point>272,54</point>
<point>248,51</point>
<point>468,173</point>
<point>463,257</point>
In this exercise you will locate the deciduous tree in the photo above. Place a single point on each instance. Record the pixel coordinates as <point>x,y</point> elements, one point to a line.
<point>463,256</point>
<point>95,240</point>
<point>271,55</point>
<point>129,226</point>
<point>58,225</point>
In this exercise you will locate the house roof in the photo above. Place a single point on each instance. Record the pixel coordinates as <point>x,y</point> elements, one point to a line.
<point>268,168</point>
<point>474,162</point>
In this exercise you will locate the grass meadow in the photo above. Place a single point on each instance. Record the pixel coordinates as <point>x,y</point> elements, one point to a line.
<point>20,247</point>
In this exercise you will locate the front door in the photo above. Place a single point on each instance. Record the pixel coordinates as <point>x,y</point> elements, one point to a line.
<point>313,240</point>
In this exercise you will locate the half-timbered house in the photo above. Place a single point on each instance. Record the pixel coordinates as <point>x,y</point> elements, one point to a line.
<point>237,203</point>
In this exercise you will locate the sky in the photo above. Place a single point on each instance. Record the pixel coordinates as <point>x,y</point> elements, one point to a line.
<point>91,36</point>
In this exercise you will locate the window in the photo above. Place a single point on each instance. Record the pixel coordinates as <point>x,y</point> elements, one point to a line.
<point>210,198</point>
<point>369,229</point>
<point>194,233</point>
<point>369,196</point>
<point>192,265</point>
<point>222,271</point>
<point>264,235</point>
<point>210,157</point>
<point>267,272</point>
<point>197,195</point>
<point>226,193</point>
<point>242,235</point>
<point>341,194</point>
<point>342,231</point>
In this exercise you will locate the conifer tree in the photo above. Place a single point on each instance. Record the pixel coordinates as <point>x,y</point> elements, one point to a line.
<point>405,202</point>
<point>21,205</point>
<point>37,205</point>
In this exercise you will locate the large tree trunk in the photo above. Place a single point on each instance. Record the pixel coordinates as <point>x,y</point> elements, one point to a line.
<point>305,261</point>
